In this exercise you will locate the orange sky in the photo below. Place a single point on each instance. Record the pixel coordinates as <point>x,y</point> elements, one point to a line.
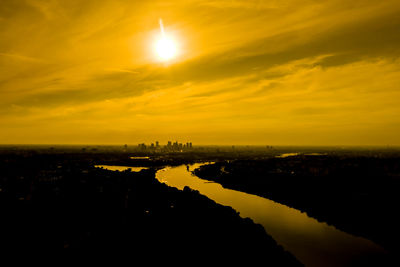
<point>285,72</point>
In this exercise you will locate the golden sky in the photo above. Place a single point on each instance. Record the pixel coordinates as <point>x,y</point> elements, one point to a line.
<point>271,72</point>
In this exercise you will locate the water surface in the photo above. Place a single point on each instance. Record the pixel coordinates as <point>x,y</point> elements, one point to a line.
<point>285,155</point>
<point>314,243</point>
<point>121,168</point>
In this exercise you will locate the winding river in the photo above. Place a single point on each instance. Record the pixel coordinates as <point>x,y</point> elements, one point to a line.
<point>314,243</point>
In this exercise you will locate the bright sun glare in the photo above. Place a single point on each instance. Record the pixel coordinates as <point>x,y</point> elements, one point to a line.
<point>165,47</point>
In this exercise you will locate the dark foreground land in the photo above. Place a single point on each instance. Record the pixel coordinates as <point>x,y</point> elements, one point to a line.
<point>357,192</point>
<point>59,200</point>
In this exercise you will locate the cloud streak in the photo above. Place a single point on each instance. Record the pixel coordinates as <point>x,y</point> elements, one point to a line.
<point>262,72</point>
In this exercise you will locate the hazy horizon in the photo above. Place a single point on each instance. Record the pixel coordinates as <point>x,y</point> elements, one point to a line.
<point>205,145</point>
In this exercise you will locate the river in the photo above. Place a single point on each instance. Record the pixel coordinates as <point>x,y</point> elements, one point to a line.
<point>120,168</point>
<point>313,243</point>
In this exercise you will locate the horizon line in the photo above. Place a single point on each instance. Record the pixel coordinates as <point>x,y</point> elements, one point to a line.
<point>198,145</point>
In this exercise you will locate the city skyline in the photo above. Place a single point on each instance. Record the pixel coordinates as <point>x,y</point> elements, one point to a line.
<point>169,146</point>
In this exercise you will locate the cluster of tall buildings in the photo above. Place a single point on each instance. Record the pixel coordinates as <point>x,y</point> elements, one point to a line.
<point>169,147</point>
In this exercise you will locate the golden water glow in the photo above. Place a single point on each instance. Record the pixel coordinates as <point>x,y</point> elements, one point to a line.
<point>226,72</point>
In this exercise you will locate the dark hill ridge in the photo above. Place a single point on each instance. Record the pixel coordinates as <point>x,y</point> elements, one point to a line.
<point>59,201</point>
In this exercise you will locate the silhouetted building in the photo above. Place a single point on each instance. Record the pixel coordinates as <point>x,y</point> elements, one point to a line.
<point>172,147</point>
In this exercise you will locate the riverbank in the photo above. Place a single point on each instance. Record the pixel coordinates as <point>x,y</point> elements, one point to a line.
<point>313,243</point>
<point>355,194</point>
<point>57,201</point>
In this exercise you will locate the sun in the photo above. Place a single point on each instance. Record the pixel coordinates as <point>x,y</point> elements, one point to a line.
<point>166,48</point>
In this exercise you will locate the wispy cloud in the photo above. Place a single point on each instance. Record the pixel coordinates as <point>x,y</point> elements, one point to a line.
<point>21,57</point>
<point>259,71</point>
<point>122,70</point>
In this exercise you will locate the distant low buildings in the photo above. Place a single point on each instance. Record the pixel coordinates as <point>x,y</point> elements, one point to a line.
<point>169,147</point>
